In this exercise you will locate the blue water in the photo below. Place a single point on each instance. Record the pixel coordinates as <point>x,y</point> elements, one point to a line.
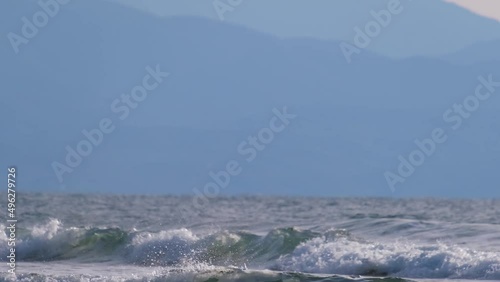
<point>167,238</point>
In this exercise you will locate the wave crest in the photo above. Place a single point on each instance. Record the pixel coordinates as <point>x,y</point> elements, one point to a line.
<point>284,249</point>
<point>404,259</point>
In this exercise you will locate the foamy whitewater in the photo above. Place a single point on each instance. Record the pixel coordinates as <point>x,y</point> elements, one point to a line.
<point>166,238</point>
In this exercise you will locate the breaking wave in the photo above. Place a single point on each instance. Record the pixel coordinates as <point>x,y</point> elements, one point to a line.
<point>286,251</point>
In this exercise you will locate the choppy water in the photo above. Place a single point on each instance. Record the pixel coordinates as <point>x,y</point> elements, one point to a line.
<point>165,238</point>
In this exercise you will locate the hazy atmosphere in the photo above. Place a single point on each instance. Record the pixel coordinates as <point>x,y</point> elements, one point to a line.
<point>232,119</point>
<point>357,109</point>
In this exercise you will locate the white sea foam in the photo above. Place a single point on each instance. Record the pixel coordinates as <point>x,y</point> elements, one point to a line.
<point>47,230</point>
<point>443,239</point>
<point>165,247</point>
<point>334,252</point>
<point>405,259</point>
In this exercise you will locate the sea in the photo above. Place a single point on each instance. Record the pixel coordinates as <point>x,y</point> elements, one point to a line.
<point>79,237</point>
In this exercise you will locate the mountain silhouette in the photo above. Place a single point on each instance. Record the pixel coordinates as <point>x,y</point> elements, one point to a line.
<point>353,120</point>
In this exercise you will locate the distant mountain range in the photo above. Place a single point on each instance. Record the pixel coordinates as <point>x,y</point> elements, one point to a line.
<point>423,28</point>
<point>482,52</point>
<point>353,120</point>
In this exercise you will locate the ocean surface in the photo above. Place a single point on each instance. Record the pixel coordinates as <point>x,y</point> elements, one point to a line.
<point>168,238</point>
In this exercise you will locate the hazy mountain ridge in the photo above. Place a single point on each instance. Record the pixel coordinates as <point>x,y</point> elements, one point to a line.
<point>482,52</point>
<point>419,30</point>
<point>225,80</point>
